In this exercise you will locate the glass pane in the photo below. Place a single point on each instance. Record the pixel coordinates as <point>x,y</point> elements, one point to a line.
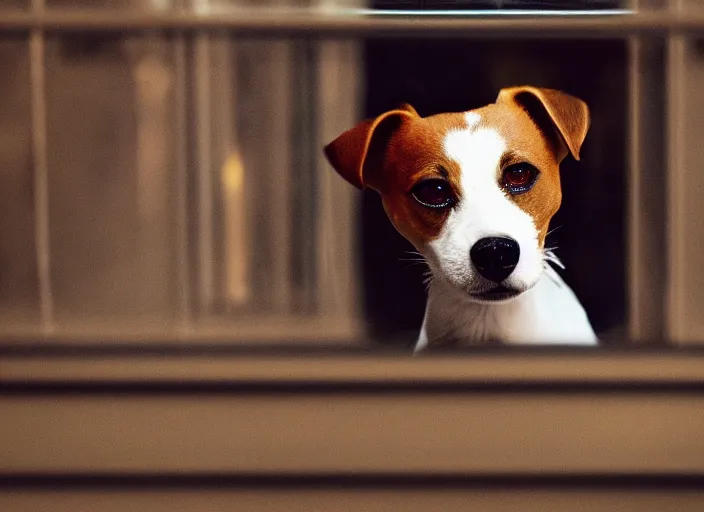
<point>19,295</point>
<point>111,157</point>
<point>260,259</point>
<point>273,255</point>
<point>188,185</point>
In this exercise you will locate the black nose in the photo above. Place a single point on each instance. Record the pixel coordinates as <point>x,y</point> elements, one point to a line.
<point>495,257</point>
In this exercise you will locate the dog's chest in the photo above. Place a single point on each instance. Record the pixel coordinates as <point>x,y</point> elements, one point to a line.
<point>548,313</point>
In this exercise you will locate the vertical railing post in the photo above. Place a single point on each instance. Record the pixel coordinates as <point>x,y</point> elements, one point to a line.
<point>685,208</point>
<point>183,263</point>
<point>204,162</point>
<point>646,187</point>
<point>340,101</point>
<point>37,68</point>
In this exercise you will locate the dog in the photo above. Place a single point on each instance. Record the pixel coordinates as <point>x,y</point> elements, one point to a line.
<point>474,192</point>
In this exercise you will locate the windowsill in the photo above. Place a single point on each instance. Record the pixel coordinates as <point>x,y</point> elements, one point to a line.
<point>352,365</point>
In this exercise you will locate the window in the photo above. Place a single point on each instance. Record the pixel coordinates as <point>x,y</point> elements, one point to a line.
<point>166,214</point>
<point>167,179</point>
<point>172,183</point>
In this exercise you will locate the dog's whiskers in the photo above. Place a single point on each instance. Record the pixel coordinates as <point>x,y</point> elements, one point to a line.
<point>550,256</point>
<point>553,230</point>
<point>416,259</point>
<point>428,274</point>
<point>427,279</point>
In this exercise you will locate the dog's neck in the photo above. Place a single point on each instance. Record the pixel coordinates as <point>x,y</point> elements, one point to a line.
<point>547,313</point>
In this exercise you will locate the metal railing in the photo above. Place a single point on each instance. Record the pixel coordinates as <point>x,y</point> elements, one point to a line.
<point>322,23</point>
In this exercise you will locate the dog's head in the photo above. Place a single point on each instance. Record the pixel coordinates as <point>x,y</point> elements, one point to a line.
<point>474,192</point>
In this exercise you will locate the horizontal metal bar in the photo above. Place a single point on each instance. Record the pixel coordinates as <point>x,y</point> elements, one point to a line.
<point>283,23</point>
<point>682,369</point>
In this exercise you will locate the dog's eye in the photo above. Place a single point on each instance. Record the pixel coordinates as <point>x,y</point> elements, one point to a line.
<point>434,193</point>
<point>519,178</point>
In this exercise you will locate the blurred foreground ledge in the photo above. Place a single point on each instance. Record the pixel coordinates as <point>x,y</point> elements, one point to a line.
<point>203,428</point>
<point>61,366</point>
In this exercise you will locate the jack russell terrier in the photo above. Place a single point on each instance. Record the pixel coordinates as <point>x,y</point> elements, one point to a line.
<point>474,192</point>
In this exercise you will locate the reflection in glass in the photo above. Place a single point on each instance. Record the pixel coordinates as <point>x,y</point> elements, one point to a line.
<point>110,124</point>
<point>19,299</point>
<point>187,188</point>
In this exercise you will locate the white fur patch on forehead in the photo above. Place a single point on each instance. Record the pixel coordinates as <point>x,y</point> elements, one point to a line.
<point>472,119</point>
<point>477,151</point>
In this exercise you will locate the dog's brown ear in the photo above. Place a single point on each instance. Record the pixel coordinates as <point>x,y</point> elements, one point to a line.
<point>356,149</point>
<point>408,108</point>
<point>567,114</point>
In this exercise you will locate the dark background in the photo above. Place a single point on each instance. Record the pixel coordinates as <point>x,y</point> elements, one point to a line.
<point>457,75</point>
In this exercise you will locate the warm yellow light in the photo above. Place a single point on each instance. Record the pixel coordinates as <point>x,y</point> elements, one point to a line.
<point>233,173</point>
